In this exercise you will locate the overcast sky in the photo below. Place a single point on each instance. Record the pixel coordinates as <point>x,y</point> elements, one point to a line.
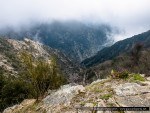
<point>132,16</point>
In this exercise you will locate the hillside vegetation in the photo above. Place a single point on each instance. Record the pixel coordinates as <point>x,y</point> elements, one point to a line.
<point>118,48</point>
<point>125,62</point>
<point>28,70</point>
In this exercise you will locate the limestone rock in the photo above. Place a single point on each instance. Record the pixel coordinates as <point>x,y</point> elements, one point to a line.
<point>135,101</point>
<point>132,94</point>
<point>89,105</point>
<point>101,103</point>
<point>64,95</point>
<point>148,78</point>
<point>129,89</point>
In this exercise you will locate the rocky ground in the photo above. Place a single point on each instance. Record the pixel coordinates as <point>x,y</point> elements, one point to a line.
<point>101,93</point>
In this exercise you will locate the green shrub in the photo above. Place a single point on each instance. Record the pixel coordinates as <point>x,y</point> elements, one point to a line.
<point>43,75</point>
<point>120,75</point>
<point>106,96</point>
<point>15,91</point>
<point>2,83</point>
<point>12,91</point>
<point>34,80</point>
<point>124,74</point>
<point>136,77</point>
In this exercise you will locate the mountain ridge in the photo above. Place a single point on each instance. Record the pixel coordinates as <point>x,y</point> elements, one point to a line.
<point>118,48</point>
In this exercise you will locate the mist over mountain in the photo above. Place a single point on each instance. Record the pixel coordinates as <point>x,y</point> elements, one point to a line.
<point>75,39</point>
<point>131,17</point>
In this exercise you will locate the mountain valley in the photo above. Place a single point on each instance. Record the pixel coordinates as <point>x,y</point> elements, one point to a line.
<point>125,63</point>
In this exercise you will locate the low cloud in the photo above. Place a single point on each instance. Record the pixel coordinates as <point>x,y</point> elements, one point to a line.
<point>130,16</point>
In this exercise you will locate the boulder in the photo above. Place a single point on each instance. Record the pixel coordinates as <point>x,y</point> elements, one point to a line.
<point>64,95</point>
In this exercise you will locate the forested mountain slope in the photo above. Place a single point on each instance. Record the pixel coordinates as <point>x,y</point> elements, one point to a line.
<point>118,48</point>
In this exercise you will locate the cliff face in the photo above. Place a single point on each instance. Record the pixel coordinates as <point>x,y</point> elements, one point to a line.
<point>10,50</point>
<point>101,93</point>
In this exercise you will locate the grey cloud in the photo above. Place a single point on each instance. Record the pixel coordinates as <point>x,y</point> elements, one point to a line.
<point>132,16</point>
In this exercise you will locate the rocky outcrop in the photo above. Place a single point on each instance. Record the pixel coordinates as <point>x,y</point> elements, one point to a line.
<point>35,47</point>
<point>131,89</point>
<point>16,108</point>
<point>57,99</point>
<point>64,95</point>
<point>10,50</point>
<point>101,93</point>
<point>5,64</point>
<point>133,94</point>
